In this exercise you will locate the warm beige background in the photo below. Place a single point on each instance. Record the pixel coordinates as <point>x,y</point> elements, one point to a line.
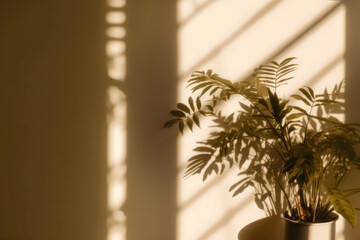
<point>53,129</point>
<point>64,81</point>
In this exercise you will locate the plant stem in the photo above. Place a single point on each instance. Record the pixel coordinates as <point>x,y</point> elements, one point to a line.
<point>341,178</point>
<point>271,145</point>
<point>283,190</point>
<point>267,120</point>
<point>328,164</point>
<point>317,198</point>
<point>308,121</point>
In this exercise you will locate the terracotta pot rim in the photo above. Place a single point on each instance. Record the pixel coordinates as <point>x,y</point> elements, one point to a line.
<point>334,218</point>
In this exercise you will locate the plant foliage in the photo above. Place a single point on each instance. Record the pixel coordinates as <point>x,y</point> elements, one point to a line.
<point>292,151</point>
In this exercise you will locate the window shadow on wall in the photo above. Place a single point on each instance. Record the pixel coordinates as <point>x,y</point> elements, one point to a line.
<point>286,46</point>
<point>352,97</point>
<point>150,92</point>
<point>246,26</point>
<point>312,26</point>
<point>53,125</point>
<point>151,82</point>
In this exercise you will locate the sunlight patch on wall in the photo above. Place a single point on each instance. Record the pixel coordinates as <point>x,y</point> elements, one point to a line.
<point>115,17</point>
<point>116,164</point>
<point>117,61</point>
<point>116,32</point>
<point>233,37</point>
<point>116,3</point>
<point>117,110</point>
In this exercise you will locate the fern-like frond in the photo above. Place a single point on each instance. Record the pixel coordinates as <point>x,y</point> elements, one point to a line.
<point>274,74</point>
<point>211,83</point>
<point>188,114</point>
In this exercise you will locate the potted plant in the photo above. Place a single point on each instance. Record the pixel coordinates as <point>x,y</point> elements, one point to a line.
<point>291,149</point>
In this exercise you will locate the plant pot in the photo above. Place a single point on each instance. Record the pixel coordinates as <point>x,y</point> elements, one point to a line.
<point>269,228</point>
<point>294,230</point>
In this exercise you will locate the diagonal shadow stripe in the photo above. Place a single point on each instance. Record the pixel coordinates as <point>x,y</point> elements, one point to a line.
<point>311,27</point>
<point>196,12</point>
<point>331,64</point>
<point>213,182</point>
<point>215,51</point>
<point>230,214</point>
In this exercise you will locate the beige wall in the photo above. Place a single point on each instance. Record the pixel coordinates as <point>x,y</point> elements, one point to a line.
<point>52,71</point>
<point>151,92</point>
<point>232,38</point>
<point>352,93</point>
<point>54,162</point>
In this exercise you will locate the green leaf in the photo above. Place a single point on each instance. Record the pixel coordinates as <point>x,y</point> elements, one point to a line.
<point>350,192</point>
<point>267,80</point>
<point>183,107</point>
<point>245,107</point>
<point>170,123</point>
<point>285,72</point>
<point>341,204</point>
<point>275,63</point>
<point>243,187</point>
<point>300,109</point>
<point>181,127</point>
<point>210,108</point>
<point>189,123</point>
<point>177,113</point>
<point>222,168</point>
<point>294,116</point>
<point>213,90</point>
<point>282,68</point>
<point>287,60</point>
<point>284,80</point>
<point>307,95</point>
<point>197,163</point>
<point>267,68</point>
<point>191,103</point>
<point>197,79</point>
<point>263,102</point>
<point>196,73</point>
<point>274,101</point>
<point>199,86</point>
<point>196,120</point>
<point>238,183</point>
<point>263,72</point>
<point>298,97</point>
<point>311,91</point>
<point>203,149</point>
<point>262,90</point>
<point>224,82</point>
<point>259,202</point>
<point>326,101</point>
<point>205,90</point>
<point>198,103</point>
<point>213,167</point>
